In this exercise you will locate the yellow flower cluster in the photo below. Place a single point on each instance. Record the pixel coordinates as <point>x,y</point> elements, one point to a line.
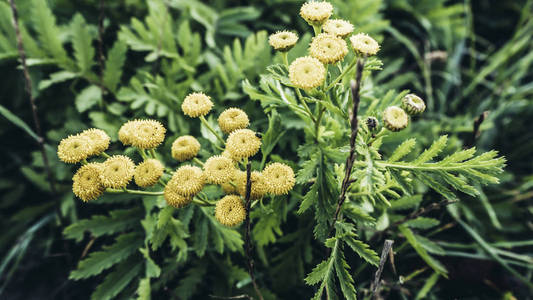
<point>232,119</point>
<point>185,147</point>
<point>230,211</point>
<point>148,172</point>
<point>328,48</point>
<point>79,147</point>
<point>86,182</point>
<point>196,105</point>
<point>307,73</point>
<point>143,134</point>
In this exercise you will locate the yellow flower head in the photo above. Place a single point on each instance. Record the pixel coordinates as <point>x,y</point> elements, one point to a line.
<point>188,180</point>
<point>232,119</point>
<point>283,40</point>
<point>307,72</point>
<point>185,147</point>
<point>117,171</point>
<point>126,132</point>
<point>340,28</point>
<point>328,48</point>
<point>279,178</point>
<point>243,143</point>
<point>413,104</point>
<point>86,183</point>
<point>148,172</point>
<point>196,104</point>
<point>231,186</point>
<point>98,140</point>
<point>395,118</point>
<point>173,197</point>
<point>147,134</point>
<point>316,12</point>
<point>364,44</point>
<point>218,169</point>
<point>259,187</point>
<point>73,149</point>
<point>230,211</point>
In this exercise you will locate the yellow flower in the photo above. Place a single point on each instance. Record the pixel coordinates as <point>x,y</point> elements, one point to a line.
<point>148,172</point>
<point>259,187</point>
<point>188,180</point>
<point>185,147</point>
<point>283,40</point>
<point>243,143</point>
<point>279,178</point>
<point>364,44</point>
<point>307,72</point>
<point>395,118</point>
<point>218,169</point>
<point>328,48</point>
<point>340,28</point>
<point>117,171</point>
<point>73,149</point>
<point>173,197</point>
<point>316,12</point>
<point>230,211</point>
<point>231,186</point>
<point>232,119</point>
<point>196,104</point>
<point>126,132</point>
<point>86,183</point>
<point>413,104</point>
<point>98,140</point>
<point>147,134</point>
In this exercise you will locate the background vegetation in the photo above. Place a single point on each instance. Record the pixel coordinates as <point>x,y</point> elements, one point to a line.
<point>98,66</point>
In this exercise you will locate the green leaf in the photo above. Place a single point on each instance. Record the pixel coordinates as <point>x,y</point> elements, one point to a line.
<point>49,33</point>
<point>89,97</point>
<point>422,223</point>
<point>406,202</point>
<point>405,148</point>
<point>433,263</point>
<point>318,273</point>
<point>124,246</point>
<point>432,151</point>
<point>82,44</point>
<point>113,65</point>
<point>309,199</point>
<point>144,289</point>
<point>430,282</point>
<point>117,280</point>
<point>307,171</point>
<point>362,249</point>
<point>18,122</point>
<point>188,286</point>
<point>345,279</point>
<point>117,221</point>
<point>57,77</point>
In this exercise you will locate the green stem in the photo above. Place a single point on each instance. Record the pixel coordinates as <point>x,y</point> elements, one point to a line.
<point>317,29</point>
<point>284,55</point>
<point>196,160</point>
<point>161,182</point>
<point>135,192</point>
<point>341,75</point>
<point>305,105</point>
<point>142,153</point>
<point>204,121</point>
<point>152,152</point>
<point>105,155</point>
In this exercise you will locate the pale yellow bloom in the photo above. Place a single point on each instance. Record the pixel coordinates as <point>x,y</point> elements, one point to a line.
<point>188,180</point>
<point>148,172</point>
<point>196,105</point>
<point>117,171</point>
<point>147,134</point>
<point>243,143</point>
<point>395,118</point>
<point>230,211</point>
<point>73,149</point>
<point>413,104</point>
<point>327,48</point>
<point>307,73</point>
<point>232,119</point>
<point>98,140</point>
<point>340,28</point>
<point>173,197</point>
<point>218,169</point>
<point>279,178</point>
<point>364,44</point>
<point>283,40</point>
<point>86,183</point>
<point>316,12</point>
<point>259,186</point>
<point>185,147</point>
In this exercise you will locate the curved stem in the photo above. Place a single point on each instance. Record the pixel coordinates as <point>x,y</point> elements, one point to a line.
<point>196,160</point>
<point>134,192</point>
<point>341,75</point>
<point>105,155</point>
<point>152,152</point>
<point>305,105</point>
<point>204,121</point>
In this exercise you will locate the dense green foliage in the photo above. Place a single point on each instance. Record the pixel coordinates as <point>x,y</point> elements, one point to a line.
<point>463,58</point>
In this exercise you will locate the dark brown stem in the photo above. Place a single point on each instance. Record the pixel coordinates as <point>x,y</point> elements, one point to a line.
<point>346,182</point>
<point>476,130</point>
<point>248,240</point>
<point>422,211</point>
<point>28,85</point>
<point>387,247</point>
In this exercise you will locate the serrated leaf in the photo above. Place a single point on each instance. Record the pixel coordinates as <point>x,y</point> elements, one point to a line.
<point>432,151</point>
<point>309,199</point>
<point>188,286</point>
<point>98,261</point>
<point>117,280</point>
<point>49,33</point>
<point>113,65</point>
<point>406,202</point>
<point>57,77</point>
<point>422,223</point>
<point>345,279</point>
<point>318,273</point>
<point>307,171</point>
<point>405,148</point>
<point>82,44</point>
<point>89,97</point>
<point>362,249</point>
<point>433,263</point>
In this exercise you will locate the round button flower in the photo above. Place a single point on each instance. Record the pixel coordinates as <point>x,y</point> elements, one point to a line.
<point>218,169</point>
<point>98,140</point>
<point>243,143</point>
<point>185,147</point>
<point>279,178</point>
<point>73,149</point>
<point>231,185</point>
<point>117,171</point>
<point>395,118</point>
<point>173,197</point>
<point>148,172</point>
<point>340,28</point>
<point>187,180</point>
<point>126,132</point>
<point>196,105</point>
<point>147,134</point>
<point>230,211</point>
<point>328,48</point>
<point>316,12</point>
<point>283,40</point>
<point>259,187</point>
<point>307,72</point>
<point>86,183</point>
<point>232,119</point>
<point>413,104</point>
<point>364,44</point>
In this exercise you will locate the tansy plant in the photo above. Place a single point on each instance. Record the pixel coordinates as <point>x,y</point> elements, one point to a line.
<point>349,183</point>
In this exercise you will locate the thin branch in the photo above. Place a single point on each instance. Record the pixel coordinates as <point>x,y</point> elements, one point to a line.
<point>422,211</point>
<point>346,182</point>
<point>476,132</point>
<point>387,247</point>
<point>28,85</point>
<point>248,241</point>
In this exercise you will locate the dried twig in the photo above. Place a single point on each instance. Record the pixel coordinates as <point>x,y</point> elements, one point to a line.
<point>248,241</point>
<point>387,247</point>
<point>476,132</point>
